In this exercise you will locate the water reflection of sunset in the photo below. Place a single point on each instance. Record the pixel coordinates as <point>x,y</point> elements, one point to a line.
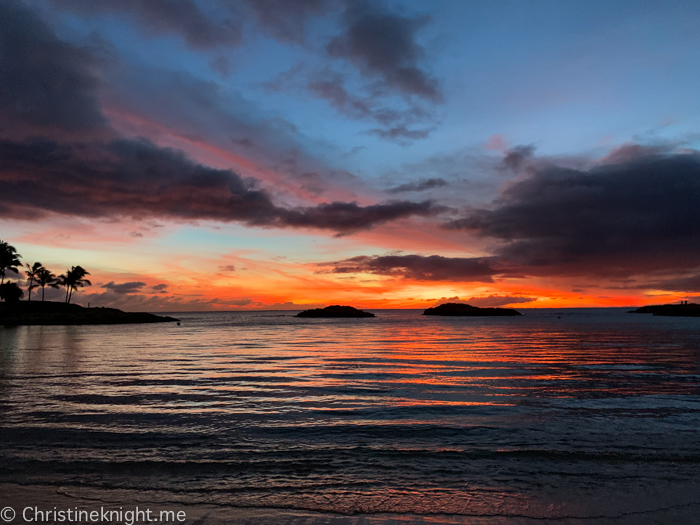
<point>463,402</point>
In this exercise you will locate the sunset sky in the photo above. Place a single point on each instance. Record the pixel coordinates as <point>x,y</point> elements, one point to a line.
<point>247,154</point>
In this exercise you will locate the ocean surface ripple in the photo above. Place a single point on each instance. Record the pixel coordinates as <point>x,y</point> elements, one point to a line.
<point>555,413</point>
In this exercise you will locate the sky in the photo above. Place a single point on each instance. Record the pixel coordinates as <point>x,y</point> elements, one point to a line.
<point>287,154</point>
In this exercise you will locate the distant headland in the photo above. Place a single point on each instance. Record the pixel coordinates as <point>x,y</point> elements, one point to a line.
<point>52,313</point>
<point>466,310</point>
<point>335,311</point>
<point>674,310</point>
<point>14,311</point>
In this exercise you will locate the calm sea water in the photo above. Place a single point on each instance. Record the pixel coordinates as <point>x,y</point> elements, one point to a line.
<point>557,413</point>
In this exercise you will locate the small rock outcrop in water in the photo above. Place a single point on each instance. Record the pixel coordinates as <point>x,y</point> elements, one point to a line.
<point>465,310</point>
<point>52,313</point>
<point>335,311</point>
<point>675,310</point>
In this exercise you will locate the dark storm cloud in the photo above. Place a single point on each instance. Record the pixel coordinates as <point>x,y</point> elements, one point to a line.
<point>515,157</point>
<point>349,216</point>
<point>623,218</point>
<point>138,179</point>
<point>627,216</point>
<point>418,267</point>
<point>629,151</point>
<point>131,287</point>
<point>44,82</point>
<point>199,29</point>
<point>421,185</point>
<point>384,45</point>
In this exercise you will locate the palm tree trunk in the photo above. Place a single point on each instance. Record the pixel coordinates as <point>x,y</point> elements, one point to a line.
<point>30,289</point>
<point>67,288</point>
<point>42,294</point>
<point>70,294</point>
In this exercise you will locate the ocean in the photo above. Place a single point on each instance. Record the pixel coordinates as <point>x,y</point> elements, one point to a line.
<point>561,416</point>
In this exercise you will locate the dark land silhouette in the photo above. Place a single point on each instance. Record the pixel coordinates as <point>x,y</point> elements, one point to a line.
<point>38,276</point>
<point>673,310</point>
<point>467,310</point>
<point>53,313</point>
<point>335,311</point>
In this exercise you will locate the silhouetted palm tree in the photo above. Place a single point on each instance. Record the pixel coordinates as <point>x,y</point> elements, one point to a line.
<point>43,278</point>
<point>74,279</point>
<point>61,280</point>
<point>9,260</point>
<point>32,273</point>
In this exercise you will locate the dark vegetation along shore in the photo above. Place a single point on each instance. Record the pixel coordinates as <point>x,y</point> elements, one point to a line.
<point>335,311</point>
<point>51,313</point>
<point>466,310</point>
<point>674,310</point>
<point>14,311</point>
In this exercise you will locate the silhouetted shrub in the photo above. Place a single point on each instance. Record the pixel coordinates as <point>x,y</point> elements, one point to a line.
<point>10,292</point>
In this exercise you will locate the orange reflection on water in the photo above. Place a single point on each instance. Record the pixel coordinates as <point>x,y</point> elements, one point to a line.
<point>400,413</point>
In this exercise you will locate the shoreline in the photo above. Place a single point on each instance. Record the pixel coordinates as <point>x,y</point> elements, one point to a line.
<point>675,509</point>
<point>25,313</point>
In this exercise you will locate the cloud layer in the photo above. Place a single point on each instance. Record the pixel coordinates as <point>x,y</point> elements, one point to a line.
<point>45,83</point>
<point>421,185</point>
<point>124,288</point>
<point>615,219</point>
<point>379,45</point>
<point>630,215</point>
<point>51,89</point>
<point>384,45</point>
<point>418,267</point>
<point>489,301</point>
<point>137,179</point>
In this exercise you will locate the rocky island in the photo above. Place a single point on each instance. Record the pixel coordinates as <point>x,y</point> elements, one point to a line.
<point>52,313</point>
<point>335,311</point>
<point>467,310</point>
<point>674,310</point>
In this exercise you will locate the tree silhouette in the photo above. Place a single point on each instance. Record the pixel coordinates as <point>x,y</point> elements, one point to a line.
<point>9,260</point>
<point>61,281</point>
<point>31,274</point>
<point>45,277</point>
<point>74,279</point>
<point>10,292</point>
